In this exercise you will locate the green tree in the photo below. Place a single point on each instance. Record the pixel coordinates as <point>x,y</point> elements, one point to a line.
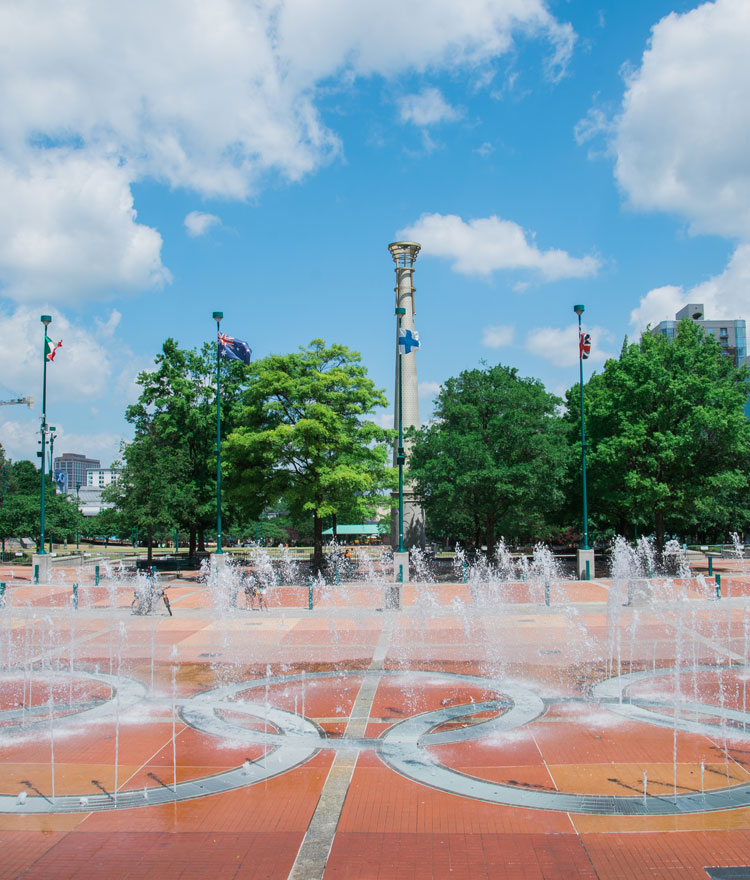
<point>178,406</point>
<point>20,513</point>
<point>303,436</point>
<point>669,444</point>
<point>493,461</point>
<point>149,491</point>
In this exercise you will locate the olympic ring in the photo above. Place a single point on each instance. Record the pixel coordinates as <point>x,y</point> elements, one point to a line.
<point>295,739</point>
<point>611,693</point>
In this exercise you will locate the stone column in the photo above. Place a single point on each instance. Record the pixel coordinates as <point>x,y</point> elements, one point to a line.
<point>404,255</point>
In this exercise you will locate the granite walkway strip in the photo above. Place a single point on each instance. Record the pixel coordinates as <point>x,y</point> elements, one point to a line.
<point>313,854</point>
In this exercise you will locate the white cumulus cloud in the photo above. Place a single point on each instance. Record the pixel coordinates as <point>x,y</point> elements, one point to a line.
<point>485,245</point>
<point>681,140</point>
<point>498,336</point>
<point>68,229</point>
<point>81,368</point>
<point>198,223</point>
<point>212,97</point>
<point>724,296</point>
<point>427,107</point>
<point>429,389</point>
<point>559,346</point>
<point>19,437</point>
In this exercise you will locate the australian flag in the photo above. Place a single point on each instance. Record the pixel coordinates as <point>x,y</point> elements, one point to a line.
<point>407,341</point>
<point>584,346</point>
<point>234,349</point>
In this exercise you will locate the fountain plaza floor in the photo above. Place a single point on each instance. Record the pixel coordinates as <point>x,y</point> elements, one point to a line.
<point>474,733</point>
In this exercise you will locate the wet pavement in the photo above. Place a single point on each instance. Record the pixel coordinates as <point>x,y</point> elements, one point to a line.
<point>476,732</point>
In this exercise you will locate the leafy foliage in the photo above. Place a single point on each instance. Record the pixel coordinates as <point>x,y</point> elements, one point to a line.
<point>303,436</point>
<point>20,512</point>
<point>175,423</point>
<point>669,441</point>
<point>494,459</point>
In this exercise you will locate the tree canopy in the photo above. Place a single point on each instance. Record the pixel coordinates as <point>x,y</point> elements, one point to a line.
<point>669,444</point>
<point>493,461</point>
<point>302,435</point>
<point>20,511</point>
<point>175,423</point>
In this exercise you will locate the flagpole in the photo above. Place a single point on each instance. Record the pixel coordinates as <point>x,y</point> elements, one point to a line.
<point>217,316</point>
<point>46,320</point>
<point>579,310</point>
<point>400,457</point>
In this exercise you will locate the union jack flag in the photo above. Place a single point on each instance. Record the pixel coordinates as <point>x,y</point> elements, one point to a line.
<point>584,346</point>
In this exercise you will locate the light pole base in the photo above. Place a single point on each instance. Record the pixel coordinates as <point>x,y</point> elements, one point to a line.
<point>582,558</point>
<point>400,567</point>
<point>219,560</point>
<point>42,563</point>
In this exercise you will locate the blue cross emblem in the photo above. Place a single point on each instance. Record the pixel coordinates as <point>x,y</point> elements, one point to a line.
<point>407,341</point>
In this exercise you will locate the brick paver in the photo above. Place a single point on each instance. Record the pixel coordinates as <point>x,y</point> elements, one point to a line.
<point>383,825</point>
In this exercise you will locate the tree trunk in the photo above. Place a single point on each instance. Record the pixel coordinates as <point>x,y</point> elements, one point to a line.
<point>317,544</point>
<point>490,535</point>
<point>150,556</point>
<point>201,541</point>
<point>659,529</point>
<point>193,538</point>
<point>335,530</point>
<point>477,533</point>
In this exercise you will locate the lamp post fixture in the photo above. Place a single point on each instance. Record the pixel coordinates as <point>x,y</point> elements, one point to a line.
<point>46,320</point>
<point>400,457</point>
<point>579,310</point>
<point>217,316</point>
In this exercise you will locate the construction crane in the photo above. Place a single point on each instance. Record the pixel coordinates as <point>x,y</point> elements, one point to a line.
<point>29,401</point>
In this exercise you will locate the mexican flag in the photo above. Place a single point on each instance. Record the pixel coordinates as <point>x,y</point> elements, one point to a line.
<point>50,348</point>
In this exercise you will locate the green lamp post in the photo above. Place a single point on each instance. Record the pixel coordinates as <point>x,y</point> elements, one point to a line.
<point>6,468</point>
<point>46,320</point>
<point>579,310</point>
<point>52,438</point>
<point>400,457</point>
<point>217,316</point>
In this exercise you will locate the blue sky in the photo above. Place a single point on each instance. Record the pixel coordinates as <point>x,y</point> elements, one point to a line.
<point>161,161</point>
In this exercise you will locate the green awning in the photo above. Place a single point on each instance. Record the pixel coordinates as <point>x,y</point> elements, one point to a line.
<point>364,529</point>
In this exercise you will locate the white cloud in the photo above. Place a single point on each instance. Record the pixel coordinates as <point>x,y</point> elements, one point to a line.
<point>724,295</point>
<point>498,336</point>
<point>485,149</point>
<point>594,123</point>
<point>102,445</point>
<point>19,438</point>
<point>383,419</point>
<point>427,108</point>
<point>198,223</point>
<point>209,97</point>
<point>681,139</point>
<point>107,328</point>
<point>81,368</point>
<point>560,345</point>
<point>230,94</point>
<point>68,230</point>
<point>486,245</point>
<point>429,389</point>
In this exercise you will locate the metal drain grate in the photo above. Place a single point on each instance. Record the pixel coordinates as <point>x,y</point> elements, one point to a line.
<point>741,872</point>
